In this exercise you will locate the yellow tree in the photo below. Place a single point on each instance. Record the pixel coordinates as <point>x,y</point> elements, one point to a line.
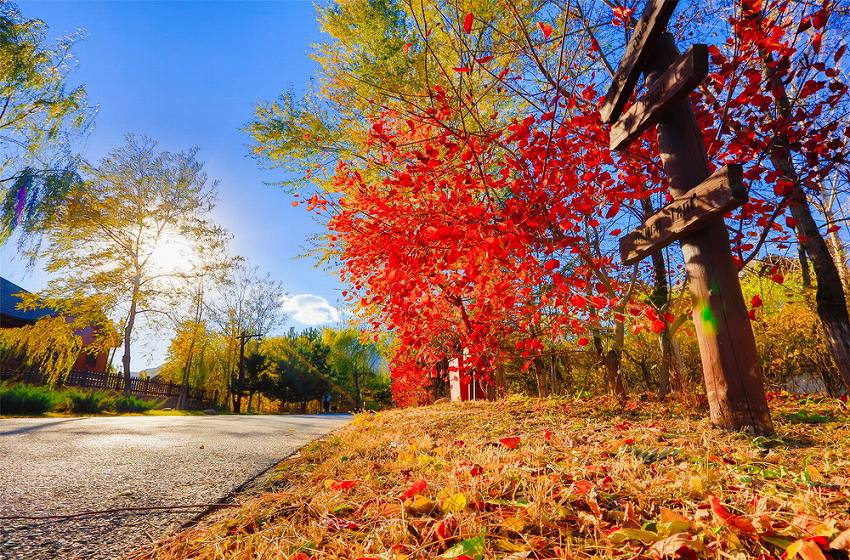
<point>54,342</point>
<point>120,232</point>
<point>38,114</point>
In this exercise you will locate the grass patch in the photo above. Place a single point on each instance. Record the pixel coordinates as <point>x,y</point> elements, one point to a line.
<point>88,402</point>
<point>129,403</point>
<point>27,399</point>
<point>555,478</point>
<point>808,417</point>
<point>32,400</point>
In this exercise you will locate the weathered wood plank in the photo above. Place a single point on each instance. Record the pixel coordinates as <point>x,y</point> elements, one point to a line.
<point>677,82</point>
<point>651,25</point>
<point>718,194</point>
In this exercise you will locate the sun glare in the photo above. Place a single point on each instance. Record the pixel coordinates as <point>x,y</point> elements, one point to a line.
<point>171,254</point>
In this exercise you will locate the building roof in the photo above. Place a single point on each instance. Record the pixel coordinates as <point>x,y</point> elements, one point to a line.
<point>9,304</point>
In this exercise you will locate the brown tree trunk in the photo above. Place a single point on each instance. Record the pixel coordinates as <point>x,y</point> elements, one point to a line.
<point>540,377</point>
<point>804,266</point>
<point>128,332</point>
<point>660,300</point>
<point>680,376</point>
<point>614,382</point>
<point>839,252</point>
<point>733,376</point>
<point>829,297</point>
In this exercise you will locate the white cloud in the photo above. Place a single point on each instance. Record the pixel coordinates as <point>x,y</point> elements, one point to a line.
<point>309,309</point>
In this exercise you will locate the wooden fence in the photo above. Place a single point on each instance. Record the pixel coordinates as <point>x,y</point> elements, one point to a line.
<point>152,388</point>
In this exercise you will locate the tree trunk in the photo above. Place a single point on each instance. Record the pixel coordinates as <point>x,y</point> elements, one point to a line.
<point>839,252</point>
<point>804,266</point>
<point>666,362</point>
<point>128,332</point>
<point>187,367</point>
<point>614,381</point>
<point>540,377</point>
<point>680,376</point>
<point>830,300</point>
<point>660,300</point>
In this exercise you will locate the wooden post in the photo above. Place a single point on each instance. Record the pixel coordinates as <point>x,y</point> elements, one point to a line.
<point>733,376</point>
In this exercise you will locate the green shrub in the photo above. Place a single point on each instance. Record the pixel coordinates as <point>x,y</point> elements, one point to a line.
<point>129,403</point>
<point>27,399</point>
<point>88,402</point>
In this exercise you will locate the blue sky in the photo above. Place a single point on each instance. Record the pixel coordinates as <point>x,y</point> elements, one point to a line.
<point>190,74</point>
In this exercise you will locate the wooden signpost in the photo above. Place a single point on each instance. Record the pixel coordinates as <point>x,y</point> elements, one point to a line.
<point>652,24</point>
<point>720,193</point>
<point>733,377</point>
<point>676,83</point>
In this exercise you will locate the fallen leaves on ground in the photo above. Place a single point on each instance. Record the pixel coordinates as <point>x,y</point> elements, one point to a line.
<point>554,478</point>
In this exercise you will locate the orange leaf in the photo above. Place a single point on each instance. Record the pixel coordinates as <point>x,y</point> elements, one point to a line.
<point>582,486</point>
<point>728,518</point>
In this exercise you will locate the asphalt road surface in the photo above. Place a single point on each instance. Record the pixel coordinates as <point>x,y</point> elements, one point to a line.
<point>59,466</point>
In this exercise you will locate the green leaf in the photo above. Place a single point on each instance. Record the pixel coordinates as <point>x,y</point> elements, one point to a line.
<point>473,547</point>
<point>778,542</point>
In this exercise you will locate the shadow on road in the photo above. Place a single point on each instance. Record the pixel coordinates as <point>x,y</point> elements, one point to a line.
<point>34,427</point>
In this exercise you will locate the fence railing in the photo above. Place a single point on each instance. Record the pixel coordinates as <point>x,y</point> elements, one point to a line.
<point>115,382</point>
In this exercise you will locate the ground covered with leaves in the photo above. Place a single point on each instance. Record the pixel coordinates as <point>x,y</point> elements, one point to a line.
<point>555,478</point>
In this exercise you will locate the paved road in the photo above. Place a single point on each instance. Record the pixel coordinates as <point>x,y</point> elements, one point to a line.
<point>68,465</point>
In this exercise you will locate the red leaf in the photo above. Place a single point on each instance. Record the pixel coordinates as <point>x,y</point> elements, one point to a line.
<point>756,301</point>
<point>476,470</point>
<point>551,265</point>
<point>510,442</point>
<point>461,69</point>
<point>335,524</point>
<point>778,278</point>
<point>416,488</point>
<point>446,528</point>
<point>735,521</point>
<point>547,435</point>
<point>658,326</point>
<point>583,341</point>
<point>582,486</point>
<point>344,484</point>
<point>545,28</point>
<point>484,59</point>
<point>467,23</point>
